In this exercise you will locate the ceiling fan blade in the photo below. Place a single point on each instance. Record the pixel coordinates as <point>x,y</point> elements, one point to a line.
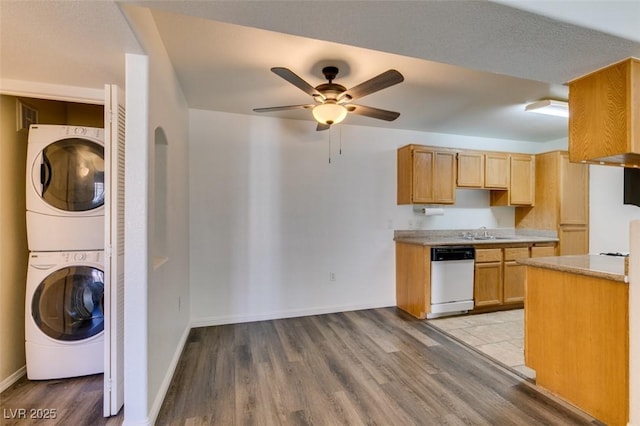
<point>282,108</point>
<point>321,127</point>
<point>294,79</point>
<point>382,81</point>
<point>380,114</point>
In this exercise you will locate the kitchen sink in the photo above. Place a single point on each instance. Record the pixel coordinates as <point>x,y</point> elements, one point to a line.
<point>487,238</point>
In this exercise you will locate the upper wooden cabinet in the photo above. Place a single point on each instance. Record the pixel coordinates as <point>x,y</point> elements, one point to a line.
<point>489,170</point>
<point>430,175</point>
<point>522,176</point>
<point>604,119</point>
<point>470,169</point>
<point>426,175</point>
<point>496,170</point>
<point>562,202</point>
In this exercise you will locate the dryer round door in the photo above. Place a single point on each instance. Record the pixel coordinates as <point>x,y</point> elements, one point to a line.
<point>72,175</point>
<point>68,304</point>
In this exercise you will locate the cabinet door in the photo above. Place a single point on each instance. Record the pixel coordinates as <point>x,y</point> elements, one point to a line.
<point>496,172</point>
<point>574,192</point>
<point>423,184</point>
<point>573,240</point>
<point>513,283</point>
<point>488,284</point>
<point>470,169</point>
<point>445,178</point>
<point>521,188</point>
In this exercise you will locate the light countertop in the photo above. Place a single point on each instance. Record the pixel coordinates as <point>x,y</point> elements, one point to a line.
<point>455,237</point>
<point>607,267</point>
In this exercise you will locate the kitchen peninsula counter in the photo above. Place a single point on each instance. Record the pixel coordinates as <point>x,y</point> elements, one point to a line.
<point>607,267</point>
<point>577,331</point>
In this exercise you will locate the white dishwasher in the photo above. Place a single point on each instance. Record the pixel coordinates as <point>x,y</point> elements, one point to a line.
<point>451,280</point>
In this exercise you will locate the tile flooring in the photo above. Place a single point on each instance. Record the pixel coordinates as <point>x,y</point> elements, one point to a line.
<point>499,335</point>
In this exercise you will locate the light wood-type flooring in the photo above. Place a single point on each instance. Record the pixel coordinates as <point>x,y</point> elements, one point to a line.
<point>76,401</point>
<point>366,367</point>
<point>375,366</point>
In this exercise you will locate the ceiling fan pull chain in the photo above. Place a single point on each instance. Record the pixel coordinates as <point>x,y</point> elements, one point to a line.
<point>340,127</point>
<point>329,146</point>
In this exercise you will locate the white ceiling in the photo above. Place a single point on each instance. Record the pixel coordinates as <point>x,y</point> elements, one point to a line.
<point>469,66</point>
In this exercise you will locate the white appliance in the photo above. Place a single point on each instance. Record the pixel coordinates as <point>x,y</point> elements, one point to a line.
<point>65,188</point>
<point>64,321</point>
<point>452,274</point>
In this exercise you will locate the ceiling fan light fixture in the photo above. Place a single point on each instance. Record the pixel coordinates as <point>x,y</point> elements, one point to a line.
<point>549,107</point>
<point>329,113</point>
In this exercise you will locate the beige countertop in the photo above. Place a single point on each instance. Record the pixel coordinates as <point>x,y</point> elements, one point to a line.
<point>455,237</point>
<point>607,267</point>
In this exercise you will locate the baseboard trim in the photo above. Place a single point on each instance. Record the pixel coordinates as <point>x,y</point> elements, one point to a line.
<point>166,382</point>
<point>6,383</point>
<point>237,319</point>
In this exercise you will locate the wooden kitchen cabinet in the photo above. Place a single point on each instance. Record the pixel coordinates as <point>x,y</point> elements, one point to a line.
<point>471,169</point>
<point>413,279</point>
<point>522,185</point>
<point>604,119</point>
<point>543,250</point>
<point>577,340</point>
<point>487,170</point>
<point>522,176</point>
<point>574,239</point>
<point>496,170</point>
<point>488,278</point>
<point>426,175</point>
<point>514,275</point>
<point>498,278</point>
<point>562,202</point>
<point>574,192</point>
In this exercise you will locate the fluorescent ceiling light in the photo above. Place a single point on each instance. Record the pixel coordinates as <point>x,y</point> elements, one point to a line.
<point>549,107</point>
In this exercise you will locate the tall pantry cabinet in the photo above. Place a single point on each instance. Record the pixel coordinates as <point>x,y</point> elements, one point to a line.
<point>562,202</point>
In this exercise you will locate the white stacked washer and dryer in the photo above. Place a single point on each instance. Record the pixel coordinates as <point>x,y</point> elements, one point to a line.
<point>64,322</point>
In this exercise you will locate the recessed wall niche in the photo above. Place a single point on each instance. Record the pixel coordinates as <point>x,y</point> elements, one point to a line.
<point>160,189</point>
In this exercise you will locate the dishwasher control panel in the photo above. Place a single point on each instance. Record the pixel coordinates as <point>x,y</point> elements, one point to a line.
<point>452,253</point>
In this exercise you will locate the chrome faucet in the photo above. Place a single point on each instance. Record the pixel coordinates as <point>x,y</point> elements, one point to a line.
<point>485,233</point>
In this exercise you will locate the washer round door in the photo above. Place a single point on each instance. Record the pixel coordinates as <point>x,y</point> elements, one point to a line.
<point>68,304</point>
<point>72,175</point>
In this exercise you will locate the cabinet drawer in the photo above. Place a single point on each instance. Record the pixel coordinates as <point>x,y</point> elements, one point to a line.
<point>488,255</point>
<point>516,253</point>
<point>543,251</point>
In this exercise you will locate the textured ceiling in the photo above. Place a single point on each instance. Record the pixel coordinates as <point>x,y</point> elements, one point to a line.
<point>469,66</point>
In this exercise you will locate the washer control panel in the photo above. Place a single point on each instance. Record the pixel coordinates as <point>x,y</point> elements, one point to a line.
<point>44,260</point>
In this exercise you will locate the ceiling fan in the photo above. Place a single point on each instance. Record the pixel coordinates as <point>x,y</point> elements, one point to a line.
<point>333,101</point>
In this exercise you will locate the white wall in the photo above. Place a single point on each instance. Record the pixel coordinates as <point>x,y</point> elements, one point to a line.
<point>270,218</point>
<point>610,218</point>
<point>157,294</point>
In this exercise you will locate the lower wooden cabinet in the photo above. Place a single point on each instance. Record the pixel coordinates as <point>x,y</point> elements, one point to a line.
<point>488,284</point>
<point>499,278</point>
<point>574,239</point>
<point>543,251</point>
<point>514,275</point>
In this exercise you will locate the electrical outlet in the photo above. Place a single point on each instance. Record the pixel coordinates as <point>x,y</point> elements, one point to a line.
<point>410,223</point>
<point>332,276</point>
